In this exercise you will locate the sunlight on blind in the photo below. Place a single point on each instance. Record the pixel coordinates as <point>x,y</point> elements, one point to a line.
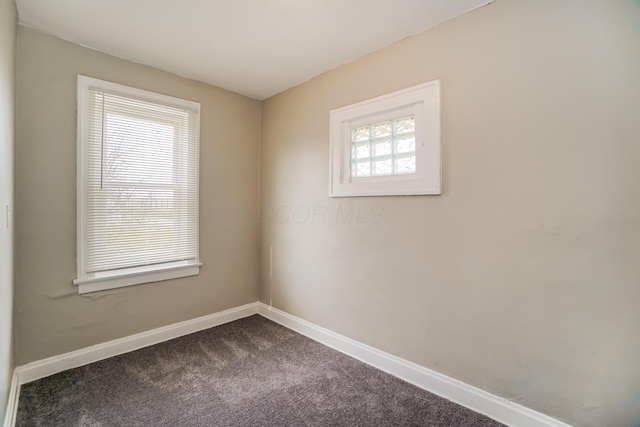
<point>142,184</point>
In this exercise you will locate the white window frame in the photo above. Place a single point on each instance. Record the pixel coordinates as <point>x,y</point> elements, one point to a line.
<point>92,282</point>
<point>423,101</point>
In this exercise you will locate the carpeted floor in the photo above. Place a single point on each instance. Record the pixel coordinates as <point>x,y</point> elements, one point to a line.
<point>251,372</point>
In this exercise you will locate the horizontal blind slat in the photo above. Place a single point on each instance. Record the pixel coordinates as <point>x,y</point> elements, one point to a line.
<point>142,183</point>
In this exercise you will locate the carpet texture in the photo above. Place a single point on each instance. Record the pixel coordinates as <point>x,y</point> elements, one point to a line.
<point>251,372</point>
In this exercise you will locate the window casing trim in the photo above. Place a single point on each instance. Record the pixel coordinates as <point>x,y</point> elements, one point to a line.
<point>92,282</point>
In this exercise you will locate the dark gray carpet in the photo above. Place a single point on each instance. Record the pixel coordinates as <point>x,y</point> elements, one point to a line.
<point>251,372</point>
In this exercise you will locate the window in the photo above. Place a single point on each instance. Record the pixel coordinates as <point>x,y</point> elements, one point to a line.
<point>384,148</point>
<point>137,186</point>
<point>388,145</point>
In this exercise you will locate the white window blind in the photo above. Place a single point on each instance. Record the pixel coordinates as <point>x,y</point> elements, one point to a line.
<point>138,199</point>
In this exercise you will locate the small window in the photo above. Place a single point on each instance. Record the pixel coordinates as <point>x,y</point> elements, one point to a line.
<point>137,186</point>
<point>388,145</point>
<point>384,148</point>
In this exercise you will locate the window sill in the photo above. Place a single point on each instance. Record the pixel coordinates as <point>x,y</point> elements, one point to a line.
<point>135,276</point>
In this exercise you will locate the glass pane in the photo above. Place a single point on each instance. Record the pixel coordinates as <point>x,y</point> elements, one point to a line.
<point>383,167</point>
<point>390,154</point>
<point>405,124</point>
<point>383,148</point>
<point>382,129</point>
<point>406,144</point>
<point>363,169</point>
<point>362,151</point>
<point>406,165</point>
<point>360,134</point>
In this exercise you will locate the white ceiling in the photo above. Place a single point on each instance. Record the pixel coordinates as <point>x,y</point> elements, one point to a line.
<point>254,47</point>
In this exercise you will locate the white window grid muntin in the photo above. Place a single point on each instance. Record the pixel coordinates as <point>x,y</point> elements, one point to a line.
<point>400,112</point>
<point>372,142</point>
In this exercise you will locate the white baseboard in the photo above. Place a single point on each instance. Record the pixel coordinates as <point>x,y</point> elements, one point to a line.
<point>498,408</point>
<point>12,402</point>
<point>52,365</point>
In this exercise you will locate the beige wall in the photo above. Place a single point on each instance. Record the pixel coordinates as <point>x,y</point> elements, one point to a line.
<point>50,317</point>
<point>8,20</point>
<point>523,277</point>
